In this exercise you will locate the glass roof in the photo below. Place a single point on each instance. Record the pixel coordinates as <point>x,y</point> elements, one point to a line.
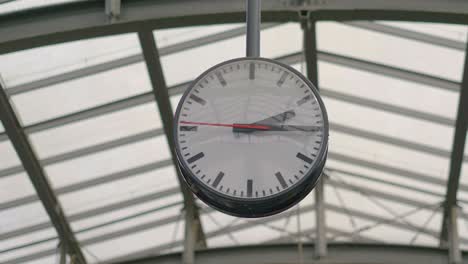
<point>89,112</point>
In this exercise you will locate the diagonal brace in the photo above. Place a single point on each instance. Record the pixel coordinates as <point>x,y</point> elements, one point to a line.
<point>38,177</point>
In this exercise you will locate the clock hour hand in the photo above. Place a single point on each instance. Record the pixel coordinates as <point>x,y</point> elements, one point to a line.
<point>277,118</point>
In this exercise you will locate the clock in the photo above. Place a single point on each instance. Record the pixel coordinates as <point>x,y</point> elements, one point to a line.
<point>251,137</point>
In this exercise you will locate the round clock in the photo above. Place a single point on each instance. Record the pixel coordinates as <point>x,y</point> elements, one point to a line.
<point>251,137</point>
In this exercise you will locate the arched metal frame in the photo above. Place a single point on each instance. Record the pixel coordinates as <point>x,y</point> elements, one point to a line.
<point>287,253</point>
<point>87,19</point>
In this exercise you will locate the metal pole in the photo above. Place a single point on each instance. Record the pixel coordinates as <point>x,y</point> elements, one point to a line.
<point>455,256</point>
<point>321,239</point>
<point>253,28</point>
<point>63,252</point>
<point>188,255</point>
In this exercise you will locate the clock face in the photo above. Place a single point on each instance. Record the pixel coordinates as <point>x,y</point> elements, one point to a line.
<point>249,133</point>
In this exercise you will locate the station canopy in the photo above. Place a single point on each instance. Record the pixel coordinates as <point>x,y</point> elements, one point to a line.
<point>80,88</point>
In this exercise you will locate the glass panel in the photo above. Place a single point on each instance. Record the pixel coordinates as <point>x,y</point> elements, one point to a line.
<point>142,234</point>
<point>145,184</point>
<point>389,50</point>
<point>96,130</point>
<point>25,239</point>
<point>168,37</point>
<point>388,155</point>
<point>453,32</point>
<point>87,92</point>
<point>107,162</point>
<point>35,64</point>
<point>196,61</point>
<point>22,216</point>
<point>15,186</point>
<point>16,255</point>
<point>388,90</point>
<point>389,124</point>
<point>362,213</point>
<point>8,155</point>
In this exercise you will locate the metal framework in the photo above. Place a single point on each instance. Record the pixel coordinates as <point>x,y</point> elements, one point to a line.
<point>38,178</point>
<point>449,233</point>
<point>87,19</point>
<point>194,235</point>
<point>339,253</point>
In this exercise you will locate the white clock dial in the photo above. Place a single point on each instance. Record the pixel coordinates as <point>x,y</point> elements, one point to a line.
<point>250,130</point>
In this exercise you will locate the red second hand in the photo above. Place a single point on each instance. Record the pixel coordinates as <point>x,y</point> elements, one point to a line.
<point>261,127</point>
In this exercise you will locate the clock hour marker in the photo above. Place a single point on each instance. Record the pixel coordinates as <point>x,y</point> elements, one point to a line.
<point>196,157</point>
<point>249,188</point>
<point>282,79</point>
<point>218,179</point>
<point>304,158</point>
<point>221,78</point>
<point>303,100</point>
<point>188,128</point>
<point>197,99</point>
<point>252,71</point>
<point>281,180</point>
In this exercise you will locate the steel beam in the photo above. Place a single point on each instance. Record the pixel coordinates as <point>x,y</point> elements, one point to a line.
<point>456,159</point>
<point>292,238</point>
<point>161,95</point>
<point>38,177</point>
<point>343,253</point>
<point>85,19</point>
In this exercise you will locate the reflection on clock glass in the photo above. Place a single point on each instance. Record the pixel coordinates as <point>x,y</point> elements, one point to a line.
<point>249,129</point>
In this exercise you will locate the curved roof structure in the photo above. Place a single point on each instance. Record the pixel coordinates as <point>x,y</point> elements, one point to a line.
<point>87,171</point>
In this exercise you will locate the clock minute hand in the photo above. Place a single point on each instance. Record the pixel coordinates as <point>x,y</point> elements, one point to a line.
<point>248,128</point>
<point>239,129</point>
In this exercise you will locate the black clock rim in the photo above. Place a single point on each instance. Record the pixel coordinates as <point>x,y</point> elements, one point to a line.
<point>197,185</point>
